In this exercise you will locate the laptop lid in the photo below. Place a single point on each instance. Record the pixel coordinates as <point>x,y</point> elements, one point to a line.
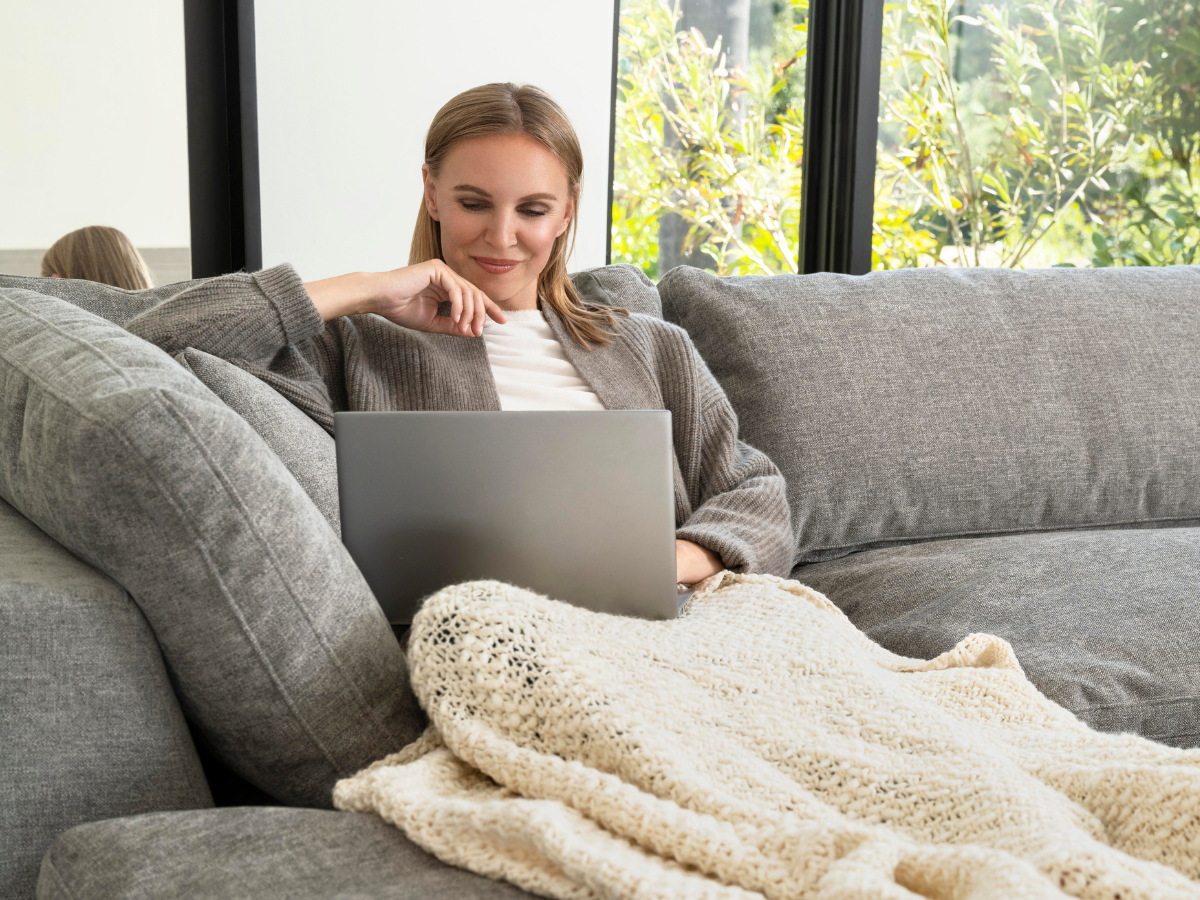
<point>578,506</point>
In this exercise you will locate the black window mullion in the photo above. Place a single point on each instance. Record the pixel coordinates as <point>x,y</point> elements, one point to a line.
<point>222,136</point>
<point>841,119</point>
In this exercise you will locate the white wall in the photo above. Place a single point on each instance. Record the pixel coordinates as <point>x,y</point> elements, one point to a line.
<point>346,91</point>
<point>93,120</point>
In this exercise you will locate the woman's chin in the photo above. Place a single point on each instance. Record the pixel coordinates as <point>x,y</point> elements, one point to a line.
<point>502,289</point>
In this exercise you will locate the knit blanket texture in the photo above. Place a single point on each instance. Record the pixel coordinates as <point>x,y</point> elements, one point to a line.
<point>760,746</point>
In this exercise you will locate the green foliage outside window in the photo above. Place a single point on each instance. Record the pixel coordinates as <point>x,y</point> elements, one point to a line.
<point>1070,139</point>
<point>730,165</point>
<point>1034,132</point>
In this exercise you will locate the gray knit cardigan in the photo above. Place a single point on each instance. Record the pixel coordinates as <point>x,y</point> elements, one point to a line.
<point>729,497</point>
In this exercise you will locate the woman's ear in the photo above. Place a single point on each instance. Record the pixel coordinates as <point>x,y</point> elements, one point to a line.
<point>430,193</point>
<point>566,222</point>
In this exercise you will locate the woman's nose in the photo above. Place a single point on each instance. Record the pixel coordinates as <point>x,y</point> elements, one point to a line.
<point>502,230</point>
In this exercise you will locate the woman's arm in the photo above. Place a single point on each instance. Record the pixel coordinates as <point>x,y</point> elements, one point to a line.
<point>742,515</point>
<point>252,317</point>
<point>239,316</point>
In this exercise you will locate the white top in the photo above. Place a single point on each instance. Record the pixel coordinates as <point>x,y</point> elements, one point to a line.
<point>530,367</point>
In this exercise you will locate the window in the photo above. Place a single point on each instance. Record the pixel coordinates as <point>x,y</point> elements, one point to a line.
<point>93,129</point>
<point>1048,132</point>
<point>709,121</point>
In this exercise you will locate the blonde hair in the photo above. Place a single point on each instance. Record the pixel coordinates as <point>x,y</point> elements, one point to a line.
<point>505,108</point>
<point>98,253</point>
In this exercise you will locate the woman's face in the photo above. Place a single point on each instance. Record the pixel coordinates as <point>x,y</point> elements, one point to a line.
<point>502,200</point>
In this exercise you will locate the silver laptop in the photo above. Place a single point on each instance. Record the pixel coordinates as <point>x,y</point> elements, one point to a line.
<point>578,506</point>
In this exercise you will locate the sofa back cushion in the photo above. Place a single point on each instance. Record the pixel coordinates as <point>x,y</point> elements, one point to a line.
<point>929,403</point>
<point>113,303</point>
<point>619,285</point>
<point>277,649</point>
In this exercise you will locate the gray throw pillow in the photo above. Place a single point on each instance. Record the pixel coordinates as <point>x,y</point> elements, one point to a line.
<point>619,285</point>
<point>301,444</point>
<point>276,647</point>
<point>112,303</point>
<point>928,403</point>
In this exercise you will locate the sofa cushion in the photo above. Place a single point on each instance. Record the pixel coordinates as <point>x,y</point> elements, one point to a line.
<point>1104,622</point>
<point>924,403</point>
<point>91,728</point>
<point>619,285</point>
<point>254,853</point>
<point>112,303</point>
<point>277,649</point>
<point>301,444</point>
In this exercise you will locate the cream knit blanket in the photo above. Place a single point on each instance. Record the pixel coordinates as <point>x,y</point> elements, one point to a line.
<point>761,746</point>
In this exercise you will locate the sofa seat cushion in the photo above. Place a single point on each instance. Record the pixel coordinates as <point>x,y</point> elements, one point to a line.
<point>89,725</point>
<point>277,650</point>
<point>1105,622</point>
<point>254,852</point>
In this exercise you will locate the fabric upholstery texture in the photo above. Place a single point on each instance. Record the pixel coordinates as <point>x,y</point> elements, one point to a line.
<point>113,303</point>
<point>302,445</point>
<point>89,725</point>
<point>619,285</point>
<point>926,403</point>
<point>253,853</point>
<point>1104,622</point>
<point>276,647</point>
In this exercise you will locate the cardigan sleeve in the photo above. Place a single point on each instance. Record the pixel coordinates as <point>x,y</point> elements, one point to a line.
<point>743,513</point>
<point>263,322</point>
<point>239,317</point>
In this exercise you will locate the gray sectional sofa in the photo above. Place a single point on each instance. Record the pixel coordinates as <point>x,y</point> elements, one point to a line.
<point>1010,452</point>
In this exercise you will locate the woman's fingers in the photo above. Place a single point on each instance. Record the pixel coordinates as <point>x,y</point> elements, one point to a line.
<point>434,283</point>
<point>494,311</point>
<point>470,301</point>
<point>454,294</point>
<point>462,296</point>
<point>480,317</point>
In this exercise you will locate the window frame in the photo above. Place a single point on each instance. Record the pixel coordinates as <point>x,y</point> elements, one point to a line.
<point>841,116</point>
<point>222,119</point>
<point>841,128</point>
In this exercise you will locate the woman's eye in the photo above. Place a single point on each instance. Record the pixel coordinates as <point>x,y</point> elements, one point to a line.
<point>533,213</point>
<point>472,205</point>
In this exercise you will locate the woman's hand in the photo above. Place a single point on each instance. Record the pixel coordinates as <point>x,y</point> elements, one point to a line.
<point>408,297</point>
<point>694,563</point>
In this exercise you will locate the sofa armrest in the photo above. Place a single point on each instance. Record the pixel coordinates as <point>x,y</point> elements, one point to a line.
<point>91,727</point>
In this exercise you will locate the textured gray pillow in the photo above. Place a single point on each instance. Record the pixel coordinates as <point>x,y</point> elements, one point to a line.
<point>276,647</point>
<point>112,303</point>
<point>926,403</point>
<point>619,285</point>
<point>301,444</point>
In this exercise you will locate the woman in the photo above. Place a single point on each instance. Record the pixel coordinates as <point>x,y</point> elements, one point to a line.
<point>502,174</point>
<point>97,253</point>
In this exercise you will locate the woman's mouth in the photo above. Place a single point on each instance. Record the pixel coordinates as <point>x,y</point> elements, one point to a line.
<point>496,266</point>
